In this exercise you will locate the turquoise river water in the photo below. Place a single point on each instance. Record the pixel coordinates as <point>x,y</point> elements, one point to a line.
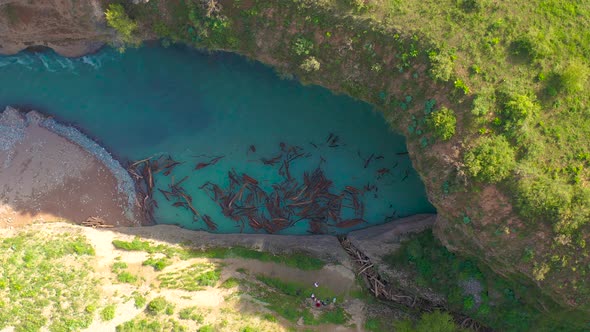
<point>195,106</point>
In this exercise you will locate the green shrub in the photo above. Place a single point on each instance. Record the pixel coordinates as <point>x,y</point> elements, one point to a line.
<point>442,65</point>
<point>524,46</point>
<point>436,322</point>
<point>206,328</point>
<point>126,277</point>
<point>135,245</point>
<point>230,283</point>
<point>108,313</point>
<point>429,322</point>
<point>139,300</point>
<point>270,317</point>
<point>118,266</point>
<point>117,18</point>
<point>492,159</point>
<point>468,303</point>
<point>189,313</point>
<point>573,78</point>
<point>157,263</point>
<point>310,64</point>
<point>443,122</point>
<point>517,110</point>
<point>157,305</point>
<point>302,46</point>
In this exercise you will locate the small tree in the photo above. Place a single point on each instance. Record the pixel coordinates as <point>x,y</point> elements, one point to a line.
<point>443,123</point>
<point>490,160</point>
<point>310,64</point>
<point>126,27</point>
<point>302,46</point>
<point>517,110</point>
<point>442,65</point>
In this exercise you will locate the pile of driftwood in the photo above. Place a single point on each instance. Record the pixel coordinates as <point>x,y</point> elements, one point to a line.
<point>96,222</point>
<point>381,289</point>
<point>244,201</point>
<point>290,201</point>
<point>143,172</point>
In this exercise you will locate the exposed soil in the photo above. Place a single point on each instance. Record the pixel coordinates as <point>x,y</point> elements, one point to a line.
<point>44,177</point>
<point>72,28</point>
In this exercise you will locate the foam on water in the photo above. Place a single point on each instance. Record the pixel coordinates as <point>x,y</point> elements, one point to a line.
<point>193,106</point>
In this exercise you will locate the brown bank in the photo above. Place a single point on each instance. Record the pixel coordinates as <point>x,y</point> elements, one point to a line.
<point>46,177</point>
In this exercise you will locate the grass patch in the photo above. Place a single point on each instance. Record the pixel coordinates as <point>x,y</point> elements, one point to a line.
<point>191,314</point>
<point>157,263</point>
<point>287,300</point>
<point>126,277</point>
<point>152,324</point>
<point>40,272</point>
<point>298,260</point>
<point>193,278</point>
<point>139,300</point>
<point>230,283</point>
<point>118,266</point>
<point>160,305</point>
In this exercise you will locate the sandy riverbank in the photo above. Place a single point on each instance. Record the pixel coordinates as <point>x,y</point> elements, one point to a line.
<point>45,176</point>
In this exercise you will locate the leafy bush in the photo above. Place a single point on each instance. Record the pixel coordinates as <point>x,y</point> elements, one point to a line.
<point>310,64</point>
<point>118,266</point>
<point>302,46</point>
<point>206,328</point>
<point>574,77</point>
<point>108,313</point>
<point>490,160</point>
<point>189,313</point>
<point>517,110</point>
<point>126,277</point>
<point>524,46</point>
<point>543,198</point>
<point>230,283</point>
<point>442,65</point>
<point>443,123</point>
<point>157,305</point>
<point>139,300</point>
<point>358,5</point>
<point>157,263</point>
<point>117,18</point>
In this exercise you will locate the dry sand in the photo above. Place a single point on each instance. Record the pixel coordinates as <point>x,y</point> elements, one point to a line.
<point>45,177</point>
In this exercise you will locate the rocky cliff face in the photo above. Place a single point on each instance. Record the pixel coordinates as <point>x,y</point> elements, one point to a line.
<point>72,28</point>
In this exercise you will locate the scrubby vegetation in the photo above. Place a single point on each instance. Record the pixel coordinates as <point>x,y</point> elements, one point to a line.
<point>38,273</point>
<point>503,304</point>
<point>126,28</point>
<point>298,260</point>
<point>192,278</point>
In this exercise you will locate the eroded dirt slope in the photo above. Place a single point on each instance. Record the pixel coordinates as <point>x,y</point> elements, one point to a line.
<point>70,27</point>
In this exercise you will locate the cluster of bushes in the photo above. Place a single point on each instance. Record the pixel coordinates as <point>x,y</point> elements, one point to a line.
<point>118,19</point>
<point>503,304</point>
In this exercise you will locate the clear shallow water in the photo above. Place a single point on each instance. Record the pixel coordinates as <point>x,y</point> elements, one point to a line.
<point>194,106</point>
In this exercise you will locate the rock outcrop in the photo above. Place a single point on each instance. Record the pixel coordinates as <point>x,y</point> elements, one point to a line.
<point>71,28</point>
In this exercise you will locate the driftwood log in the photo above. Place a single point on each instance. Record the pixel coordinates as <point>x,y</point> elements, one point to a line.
<point>381,289</point>
<point>96,222</point>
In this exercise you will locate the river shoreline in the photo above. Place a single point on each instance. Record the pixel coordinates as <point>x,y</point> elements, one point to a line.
<point>52,172</point>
